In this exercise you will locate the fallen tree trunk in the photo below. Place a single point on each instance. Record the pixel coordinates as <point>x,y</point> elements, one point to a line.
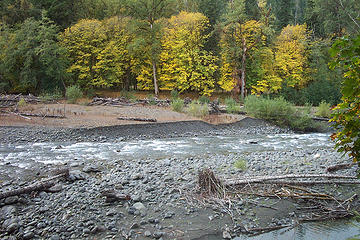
<point>39,186</point>
<point>338,167</point>
<point>268,179</point>
<point>137,119</point>
<point>113,196</point>
<point>40,115</point>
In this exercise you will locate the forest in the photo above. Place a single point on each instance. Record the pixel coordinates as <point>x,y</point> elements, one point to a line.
<point>260,47</point>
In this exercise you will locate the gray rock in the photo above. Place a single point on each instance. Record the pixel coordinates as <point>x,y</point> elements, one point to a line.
<point>55,188</point>
<point>147,233</point>
<point>12,227</point>
<point>91,168</point>
<point>158,235</point>
<point>11,200</point>
<point>7,211</point>
<point>75,175</point>
<point>226,235</point>
<point>28,235</point>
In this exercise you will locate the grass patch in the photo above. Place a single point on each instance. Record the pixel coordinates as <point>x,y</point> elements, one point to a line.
<point>177,105</point>
<point>197,109</point>
<point>174,94</point>
<point>56,94</point>
<point>73,93</point>
<point>128,95</point>
<point>204,99</point>
<point>323,110</point>
<point>280,112</point>
<point>231,105</point>
<point>240,164</point>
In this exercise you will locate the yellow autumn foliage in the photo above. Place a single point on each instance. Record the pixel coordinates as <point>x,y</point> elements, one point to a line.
<point>184,63</point>
<point>233,39</point>
<point>291,55</point>
<point>98,51</point>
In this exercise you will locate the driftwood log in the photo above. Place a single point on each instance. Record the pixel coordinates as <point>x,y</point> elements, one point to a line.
<point>274,179</point>
<point>38,186</point>
<point>137,119</point>
<point>338,167</point>
<point>113,196</point>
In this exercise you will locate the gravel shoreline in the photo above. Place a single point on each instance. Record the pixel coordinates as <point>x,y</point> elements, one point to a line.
<point>135,131</point>
<point>163,204</point>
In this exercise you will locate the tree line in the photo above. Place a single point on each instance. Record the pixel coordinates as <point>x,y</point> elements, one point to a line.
<point>263,47</point>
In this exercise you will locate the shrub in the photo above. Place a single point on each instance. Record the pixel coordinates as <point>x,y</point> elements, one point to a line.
<point>323,110</point>
<point>128,95</point>
<point>177,105</point>
<point>197,109</point>
<point>278,111</point>
<point>174,94</point>
<point>56,94</point>
<point>73,93</point>
<point>204,99</point>
<point>21,103</point>
<point>231,105</point>
<point>152,99</point>
<point>241,164</point>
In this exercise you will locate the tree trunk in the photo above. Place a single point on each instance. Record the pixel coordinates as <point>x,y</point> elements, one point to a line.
<point>155,79</point>
<point>243,71</point>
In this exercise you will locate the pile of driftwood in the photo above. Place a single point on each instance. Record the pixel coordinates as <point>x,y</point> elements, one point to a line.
<point>12,100</point>
<point>98,101</point>
<point>313,204</point>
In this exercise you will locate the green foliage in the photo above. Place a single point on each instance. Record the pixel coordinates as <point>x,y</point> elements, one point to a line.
<point>177,105</point>
<point>21,103</point>
<point>323,110</point>
<point>174,94</point>
<point>231,105</point>
<point>240,164</point>
<point>204,99</point>
<point>73,93</point>
<point>152,99</point>
<point>345,53</point>
<point>48,95</point>
<point>127,94</point>
<point>31,60</point>
<point>197,109</point>
<point>279,111</point>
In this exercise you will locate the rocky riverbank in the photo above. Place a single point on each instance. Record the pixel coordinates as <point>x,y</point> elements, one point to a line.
<point>164,201</point>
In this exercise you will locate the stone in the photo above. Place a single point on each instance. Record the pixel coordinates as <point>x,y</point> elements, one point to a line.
<point>147,233</point>
<point>226,235</point>
<point>75,175</point>
<point>11,200</point>
<point>7,211</point>
<point>28,235</point>
<point>12,227</point>
<point>55,188</point>
<point>91,168</point>
<point>158,235</point>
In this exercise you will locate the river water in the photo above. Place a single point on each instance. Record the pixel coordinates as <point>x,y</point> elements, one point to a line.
<point>20,157</point>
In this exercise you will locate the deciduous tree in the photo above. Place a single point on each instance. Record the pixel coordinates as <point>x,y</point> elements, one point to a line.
<point>185,64</point>
<point>291,55</point>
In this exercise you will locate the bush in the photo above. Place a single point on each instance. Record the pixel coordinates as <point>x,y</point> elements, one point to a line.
<point>204,99</point>
<point>241,164</point>
<point>56,94</point>
<point>152,99</point>
<point>278,111</point>
<point>127,95</point>
<point>73,93</point>
<point>231,105</point>
<point>21,103</point>
<point>197,109</point>
<point>323,110</point>
<point>177,105</point>
<point>174,94</point>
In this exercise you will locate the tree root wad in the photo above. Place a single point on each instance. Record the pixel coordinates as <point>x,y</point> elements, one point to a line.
<point>208,182</point>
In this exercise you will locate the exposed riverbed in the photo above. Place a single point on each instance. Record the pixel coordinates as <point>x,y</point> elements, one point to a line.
<point>158,169</point>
